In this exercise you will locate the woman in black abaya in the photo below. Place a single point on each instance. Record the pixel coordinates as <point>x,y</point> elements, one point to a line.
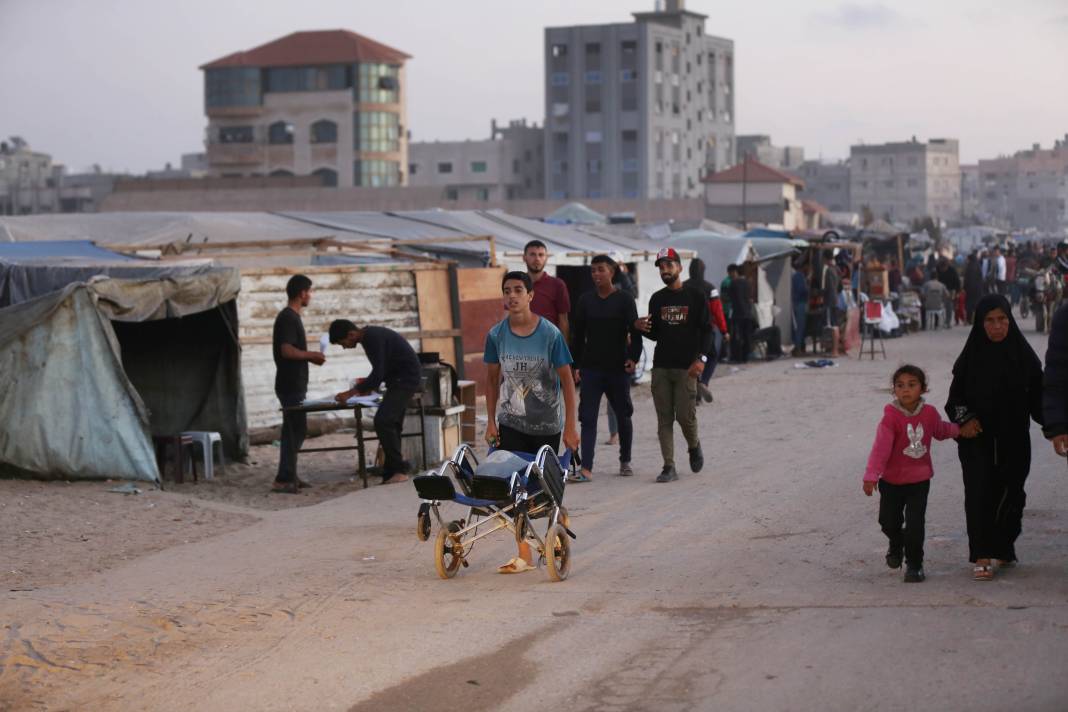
<point>996,391</point>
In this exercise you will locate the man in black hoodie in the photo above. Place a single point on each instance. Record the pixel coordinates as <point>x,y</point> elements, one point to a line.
<point>679,323</point>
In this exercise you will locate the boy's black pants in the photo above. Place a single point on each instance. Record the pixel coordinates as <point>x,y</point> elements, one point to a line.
<point>904,504</point>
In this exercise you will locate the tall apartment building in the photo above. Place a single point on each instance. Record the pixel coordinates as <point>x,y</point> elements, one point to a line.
<point>1027,189</point>
<point>328,103</point>
<point>637,110</point>
<point>827,184</point>
<point>508,165</point>
<point>907,180</point>
<point>759,148</point>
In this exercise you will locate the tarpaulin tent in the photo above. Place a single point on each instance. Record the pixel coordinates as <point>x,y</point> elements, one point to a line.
<point>88,372</point>
<point>575,214</point>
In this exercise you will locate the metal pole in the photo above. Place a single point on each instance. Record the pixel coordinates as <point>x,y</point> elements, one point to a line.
<point>745,182</point>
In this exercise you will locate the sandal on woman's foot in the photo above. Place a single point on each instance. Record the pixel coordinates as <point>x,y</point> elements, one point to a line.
<point>983,571</point>
<point>516,566</point>
<point>579,477</point>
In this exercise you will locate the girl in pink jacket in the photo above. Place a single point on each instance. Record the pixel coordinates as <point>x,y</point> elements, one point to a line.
<point>900,466</point>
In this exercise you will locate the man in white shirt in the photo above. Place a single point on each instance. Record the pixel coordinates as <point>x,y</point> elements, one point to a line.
<point>1000,269</point>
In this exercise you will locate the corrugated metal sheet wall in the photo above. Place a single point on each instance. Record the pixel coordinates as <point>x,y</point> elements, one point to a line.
<point>380,295</point>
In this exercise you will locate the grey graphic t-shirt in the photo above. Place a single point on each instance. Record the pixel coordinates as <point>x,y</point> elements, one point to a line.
<point>530,399</point>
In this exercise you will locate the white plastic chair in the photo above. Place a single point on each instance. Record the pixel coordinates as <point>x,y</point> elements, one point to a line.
<point>208,442</point>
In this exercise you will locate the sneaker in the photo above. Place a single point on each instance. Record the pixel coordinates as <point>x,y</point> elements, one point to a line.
<point>894,557</point>
<point>302,484</point>
<point>706,394</point>
<point>668,474</point>
<point>697,459</point>
<point>625,470</point>
<point>914,574</point>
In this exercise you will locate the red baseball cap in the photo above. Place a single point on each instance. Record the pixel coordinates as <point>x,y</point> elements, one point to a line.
<point>667,253</point>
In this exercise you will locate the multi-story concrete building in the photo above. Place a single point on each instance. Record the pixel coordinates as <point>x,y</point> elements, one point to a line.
<point>1027,189</point>
<point>507,166</point>
<point>906,180</point>
<point>827,184</point>
<point>760,148</point>
<point>327,103</point>
<point>751,192</point>
<point>28,179</point>
<point>637,110</point>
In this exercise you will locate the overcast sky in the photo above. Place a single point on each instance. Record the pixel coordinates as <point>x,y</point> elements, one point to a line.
<point>115,82</point>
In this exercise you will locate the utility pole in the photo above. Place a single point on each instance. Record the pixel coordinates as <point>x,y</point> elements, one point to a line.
<point>745,185</point>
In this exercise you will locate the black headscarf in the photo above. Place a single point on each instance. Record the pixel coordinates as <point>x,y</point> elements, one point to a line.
<point>997,377</point>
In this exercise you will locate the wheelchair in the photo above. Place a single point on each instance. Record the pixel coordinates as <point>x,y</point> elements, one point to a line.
<point>508,491</point>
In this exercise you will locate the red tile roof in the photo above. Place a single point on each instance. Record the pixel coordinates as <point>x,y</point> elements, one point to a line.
<point>311,48</point>
<point>753,172</point>
<point>811,206</point>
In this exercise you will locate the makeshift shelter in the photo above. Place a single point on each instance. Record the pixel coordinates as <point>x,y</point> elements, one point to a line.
<point>775,256</point>
<point>92,367</point>
<point>575,214</point>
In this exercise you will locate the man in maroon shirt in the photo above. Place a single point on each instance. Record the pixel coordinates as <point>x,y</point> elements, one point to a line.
<point>551,299</point>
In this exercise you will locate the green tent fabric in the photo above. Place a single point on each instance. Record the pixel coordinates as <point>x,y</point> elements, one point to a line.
<point>68,408</point>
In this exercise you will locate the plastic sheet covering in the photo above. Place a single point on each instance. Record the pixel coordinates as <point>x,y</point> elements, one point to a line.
<point>68,404</point>
<point>66,407</point>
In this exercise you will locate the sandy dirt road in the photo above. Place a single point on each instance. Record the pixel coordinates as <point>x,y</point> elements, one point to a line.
<point>758,584</point>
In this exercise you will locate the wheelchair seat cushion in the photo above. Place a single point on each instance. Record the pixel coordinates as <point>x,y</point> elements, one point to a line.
<point>501,463</point>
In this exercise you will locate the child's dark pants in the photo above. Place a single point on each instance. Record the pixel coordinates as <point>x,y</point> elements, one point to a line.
<point>904,504</point>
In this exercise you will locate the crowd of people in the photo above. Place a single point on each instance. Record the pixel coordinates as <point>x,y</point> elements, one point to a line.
<point>549,367</point>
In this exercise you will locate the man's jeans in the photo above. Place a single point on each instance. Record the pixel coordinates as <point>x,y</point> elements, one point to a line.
<point>294,430</point>
<point>615,386</point>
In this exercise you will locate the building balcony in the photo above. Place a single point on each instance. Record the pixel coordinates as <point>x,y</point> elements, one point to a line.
<point>235,154</point>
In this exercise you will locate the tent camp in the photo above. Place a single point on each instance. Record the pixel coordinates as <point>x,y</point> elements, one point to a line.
<point>92,367</point>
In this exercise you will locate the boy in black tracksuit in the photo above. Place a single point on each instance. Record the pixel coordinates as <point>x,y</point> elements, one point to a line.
<point>605,346</point>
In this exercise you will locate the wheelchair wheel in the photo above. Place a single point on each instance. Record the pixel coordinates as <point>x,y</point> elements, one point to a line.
<point>557,553</point>
<point>448,551</point>
<point>422,523</point>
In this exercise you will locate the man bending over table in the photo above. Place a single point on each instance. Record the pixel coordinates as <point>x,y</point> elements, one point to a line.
<point>393,362</point>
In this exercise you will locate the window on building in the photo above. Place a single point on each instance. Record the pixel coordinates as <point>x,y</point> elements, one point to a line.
<point>515,165</point>
<point>561,109</point>
<point>324,131</point>
<point>593,99</point>
<point>236,134</point>
<point>378,83</point>
<point>377,132</point>
<point>445,167</point>
<point>280,173</point>
<point>327,175</point>
<point>627,75</point>
<point>413,168</point>
<point>888,183</point>
<point>232,86</point>
<point>560,79</point>
<point>482,194</point>
<point>377,174</point>
<point>628,47</point>
<point>452,194</point>
<point>593,76</point>
<point>559,50</point>
<point>322,78</point>
<point>478,166</point>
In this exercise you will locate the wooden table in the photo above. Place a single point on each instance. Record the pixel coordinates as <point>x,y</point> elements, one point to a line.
<point>362,438</point>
